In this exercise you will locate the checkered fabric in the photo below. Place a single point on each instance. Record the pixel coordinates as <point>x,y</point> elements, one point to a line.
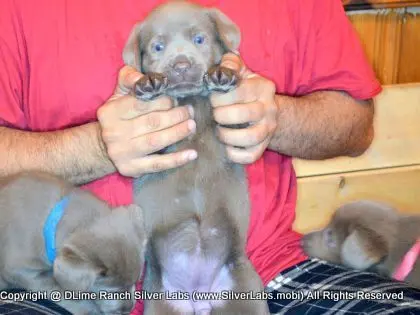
<point>317,287</point>
<point>38,307</point>
<point>309,288</point>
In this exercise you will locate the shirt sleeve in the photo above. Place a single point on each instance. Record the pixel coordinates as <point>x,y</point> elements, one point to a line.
<point>333,56</point>
<point>13,65</point>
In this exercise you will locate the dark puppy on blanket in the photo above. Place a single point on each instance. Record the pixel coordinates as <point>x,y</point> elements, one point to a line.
<point>197,214</point>
<point>55,237</point>
<point>370,235</point>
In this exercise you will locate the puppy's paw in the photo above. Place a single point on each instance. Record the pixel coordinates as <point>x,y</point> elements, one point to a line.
<point>150,86</point>
<point>221,79</point>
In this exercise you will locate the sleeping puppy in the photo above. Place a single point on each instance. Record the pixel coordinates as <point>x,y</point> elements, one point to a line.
<point>90,249</point>
<point>197,215</point>
<point>370,235</point>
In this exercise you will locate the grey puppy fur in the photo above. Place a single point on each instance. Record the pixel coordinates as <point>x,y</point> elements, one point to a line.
<point>97,249</point>
<point>367,235</point>
<point>198,214</point>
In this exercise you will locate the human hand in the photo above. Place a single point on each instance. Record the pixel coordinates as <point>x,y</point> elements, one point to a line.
<point>133,130</point>
<point>253,102</point>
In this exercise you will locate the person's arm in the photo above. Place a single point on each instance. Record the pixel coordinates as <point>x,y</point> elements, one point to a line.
<point>128,133</point>
<point>124,138</point>
<point>76,154</point>
<point>322,125</point>
<point>319,125</point>
<point>326,113</point>
<point>334,114</point>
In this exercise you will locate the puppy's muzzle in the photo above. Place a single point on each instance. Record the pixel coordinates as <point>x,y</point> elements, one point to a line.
<point>181,66</point>
<point>183,69</point>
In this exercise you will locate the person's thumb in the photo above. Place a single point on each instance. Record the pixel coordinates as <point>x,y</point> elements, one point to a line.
<point>234,62</point>
<point>127,78</point>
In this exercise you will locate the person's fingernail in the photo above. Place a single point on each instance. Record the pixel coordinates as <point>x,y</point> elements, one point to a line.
<point>190,110</point>
<point>133,77</point>
<point>191,125</point>
<point>190,155</point>
<point>230,64</point>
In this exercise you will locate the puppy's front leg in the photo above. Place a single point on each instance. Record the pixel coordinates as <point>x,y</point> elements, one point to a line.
<point>221,79</point>
<point>151,86</point>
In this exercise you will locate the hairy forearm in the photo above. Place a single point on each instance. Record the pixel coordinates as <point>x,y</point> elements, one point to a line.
<point>76,154</point>
<point>322,125</point>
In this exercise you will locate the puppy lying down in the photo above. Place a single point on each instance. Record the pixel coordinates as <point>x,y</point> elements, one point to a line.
<point>88,248</point>
<point>197,215</point>
<point>370,235</point>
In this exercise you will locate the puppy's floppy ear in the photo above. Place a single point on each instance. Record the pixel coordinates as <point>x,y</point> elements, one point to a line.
<point>74,272</point>
<point>131,51</point>
<point>229,33</point>
<point>363,248</point>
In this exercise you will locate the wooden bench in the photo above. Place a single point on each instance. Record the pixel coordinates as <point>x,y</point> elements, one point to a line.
<point>389,171</point>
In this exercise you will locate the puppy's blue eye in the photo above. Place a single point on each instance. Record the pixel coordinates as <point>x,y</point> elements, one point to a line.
<point>158,47</point>
<point>198,39</point>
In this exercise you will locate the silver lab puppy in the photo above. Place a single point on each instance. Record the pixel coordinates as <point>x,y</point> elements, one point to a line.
<point>197,214</point>
<point>367,235</point>
<point>96,249</point>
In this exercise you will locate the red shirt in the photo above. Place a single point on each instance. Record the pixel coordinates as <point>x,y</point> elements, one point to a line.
<point>59,62</point>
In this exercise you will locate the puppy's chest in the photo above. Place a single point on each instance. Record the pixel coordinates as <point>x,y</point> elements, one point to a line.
<point>212,168</point>
<point>211,152</point>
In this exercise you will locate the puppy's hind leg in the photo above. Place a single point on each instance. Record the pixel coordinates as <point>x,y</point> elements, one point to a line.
<point>246,281</point>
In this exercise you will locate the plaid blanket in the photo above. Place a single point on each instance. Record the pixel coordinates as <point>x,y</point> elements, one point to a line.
<point>309,288</point>
<point>317,287</point>
<point>28,307</point>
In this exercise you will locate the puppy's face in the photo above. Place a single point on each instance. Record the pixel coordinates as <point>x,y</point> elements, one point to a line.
<point>108,257</point>
<point>181,41</point>
<point>357,236</point>
<point>324,244</point>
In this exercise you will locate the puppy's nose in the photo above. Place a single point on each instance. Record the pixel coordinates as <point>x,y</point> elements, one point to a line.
<point>181,66</point>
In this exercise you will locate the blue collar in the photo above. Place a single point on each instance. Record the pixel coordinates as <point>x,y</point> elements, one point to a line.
<point>50,227</point>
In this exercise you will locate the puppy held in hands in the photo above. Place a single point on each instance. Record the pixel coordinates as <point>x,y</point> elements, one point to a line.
<point>370,235</point>
<point>197,215</point>
<point>57,237</point>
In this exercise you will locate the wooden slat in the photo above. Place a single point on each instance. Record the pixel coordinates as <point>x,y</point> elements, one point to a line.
<point>319,196</point>
<point>380,33</point>
<point>409,65</point>
<point>378,4</point>
<point>366,26</point>
<point>397,136</point>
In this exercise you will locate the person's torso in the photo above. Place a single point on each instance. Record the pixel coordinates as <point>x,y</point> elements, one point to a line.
<point>74,50</point>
